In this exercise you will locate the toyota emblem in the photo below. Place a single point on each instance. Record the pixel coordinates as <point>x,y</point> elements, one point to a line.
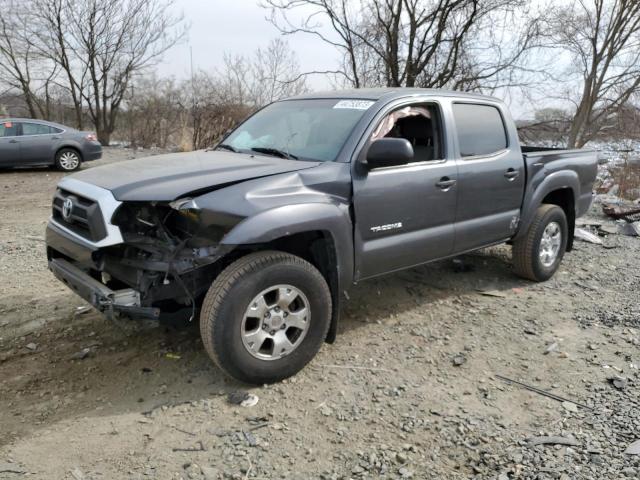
<point>67,208</point>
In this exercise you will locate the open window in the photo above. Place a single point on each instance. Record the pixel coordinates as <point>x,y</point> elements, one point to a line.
<point>420,124</point>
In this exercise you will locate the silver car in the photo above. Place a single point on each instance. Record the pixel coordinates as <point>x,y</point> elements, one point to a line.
<point>25,142</point>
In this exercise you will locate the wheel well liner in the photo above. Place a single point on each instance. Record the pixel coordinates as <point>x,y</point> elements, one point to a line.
<point>564,198</point>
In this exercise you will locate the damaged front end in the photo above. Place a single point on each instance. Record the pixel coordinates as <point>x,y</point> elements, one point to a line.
<point>164,263</point>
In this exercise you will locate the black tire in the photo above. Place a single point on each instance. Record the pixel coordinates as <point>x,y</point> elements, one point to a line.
<point>228,298</point>
<point>526,250</point>
<point>68,160</point>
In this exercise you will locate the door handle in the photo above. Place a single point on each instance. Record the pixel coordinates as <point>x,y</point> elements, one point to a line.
<point>445,183</point>
<point>13,141</point>
<point>511,174</point>
<point>55,138</point>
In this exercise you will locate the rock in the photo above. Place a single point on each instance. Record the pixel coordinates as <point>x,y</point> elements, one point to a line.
<point>401,457</point>
<point>633,449</point>
<point>82,354</point>
<point>405,473</point>
<point>250,438</point>
<point>619,382</point>
<point>570,407</point>
<point>551,440</point>
<point>551,348</point>
<point>459,360</point>
<point>31,346</point>
<point>244,399</point>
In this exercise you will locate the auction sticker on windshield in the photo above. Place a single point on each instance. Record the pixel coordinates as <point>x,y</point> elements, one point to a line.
<point>354,104</point>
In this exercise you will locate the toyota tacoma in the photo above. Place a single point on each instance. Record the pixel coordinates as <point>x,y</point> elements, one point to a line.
<point>263,235</point>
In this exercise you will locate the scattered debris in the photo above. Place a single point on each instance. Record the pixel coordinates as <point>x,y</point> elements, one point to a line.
<point>629,229</point>
<point>586,236</point>
<point>244,399</point>
<point>250,438</point>
<point>631,214</point>
<point>633,449</point>
<point>82,354</point>
<point>172,356</point>
<point>551,348</point>
<point>492,293</point>
<point>608,229</point>
<point>617,381</point>
<point>542,392</point>
<point>459,360</point>
<point>31,346</point>
<point>570,407</point>
<point>552,440</point>
<point>82,309</point>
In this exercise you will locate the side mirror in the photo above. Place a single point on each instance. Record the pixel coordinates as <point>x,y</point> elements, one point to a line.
<point>389,152</point>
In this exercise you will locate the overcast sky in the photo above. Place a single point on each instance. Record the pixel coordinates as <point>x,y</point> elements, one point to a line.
<point>237,27</point>
<point>240,27</point>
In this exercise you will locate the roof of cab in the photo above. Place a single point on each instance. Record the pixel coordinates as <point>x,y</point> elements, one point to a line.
<point>388,93</point>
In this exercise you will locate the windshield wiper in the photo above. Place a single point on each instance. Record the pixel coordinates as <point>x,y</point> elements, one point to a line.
<point>274,152</point>
<point>226,146</point>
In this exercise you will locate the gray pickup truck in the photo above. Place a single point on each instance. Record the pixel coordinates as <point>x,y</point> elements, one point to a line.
<point>263,235</point>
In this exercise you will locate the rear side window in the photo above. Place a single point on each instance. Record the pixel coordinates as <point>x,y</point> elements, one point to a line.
<point>35,129</point>
<point>480,129</point>
<point>8,129</point>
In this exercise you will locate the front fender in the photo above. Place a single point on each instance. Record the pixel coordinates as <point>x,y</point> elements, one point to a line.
<point>287,220</point>
<point>540,186</point>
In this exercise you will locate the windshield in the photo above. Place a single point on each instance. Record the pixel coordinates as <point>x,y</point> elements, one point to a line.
<point>299,129</point>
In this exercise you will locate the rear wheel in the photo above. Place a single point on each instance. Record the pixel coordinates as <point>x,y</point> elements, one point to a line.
<point>68,160</point>
<point>537,255</point>
<point>265,316</point>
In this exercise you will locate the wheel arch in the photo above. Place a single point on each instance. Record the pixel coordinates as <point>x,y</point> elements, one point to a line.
<point>324,238</point>
<point>561,189</point>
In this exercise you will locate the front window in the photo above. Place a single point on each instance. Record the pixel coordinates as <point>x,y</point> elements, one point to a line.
<point>299,129</point>
<point>8,129</point>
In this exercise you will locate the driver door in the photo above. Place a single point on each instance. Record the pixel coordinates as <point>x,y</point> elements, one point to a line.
<point>9,144</point>
<point>405,214</point>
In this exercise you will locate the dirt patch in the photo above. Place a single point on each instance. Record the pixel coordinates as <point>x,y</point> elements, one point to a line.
<point>408,390</point>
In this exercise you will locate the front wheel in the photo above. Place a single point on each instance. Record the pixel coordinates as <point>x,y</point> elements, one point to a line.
<point>537,255</point>
<point>265,316</point>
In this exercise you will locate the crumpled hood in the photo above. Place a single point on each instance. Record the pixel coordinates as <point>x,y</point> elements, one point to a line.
<point>171,176</point>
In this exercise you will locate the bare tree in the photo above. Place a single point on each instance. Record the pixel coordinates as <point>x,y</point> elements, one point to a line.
<point>22,67</point>
<point>427,43</point>
<point>602,38</point>
<point>269,74</point>
<point>100,45</point>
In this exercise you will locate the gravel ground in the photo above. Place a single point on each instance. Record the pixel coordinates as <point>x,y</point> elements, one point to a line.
<point>411,388</point>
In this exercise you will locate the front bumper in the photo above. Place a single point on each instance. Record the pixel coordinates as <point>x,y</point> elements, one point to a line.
<point>110,302</point>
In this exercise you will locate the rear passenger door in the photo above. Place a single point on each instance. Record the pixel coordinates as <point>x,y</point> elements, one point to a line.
<point>491,175</point>
<point>9,145</point>
<point>36,143</point>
